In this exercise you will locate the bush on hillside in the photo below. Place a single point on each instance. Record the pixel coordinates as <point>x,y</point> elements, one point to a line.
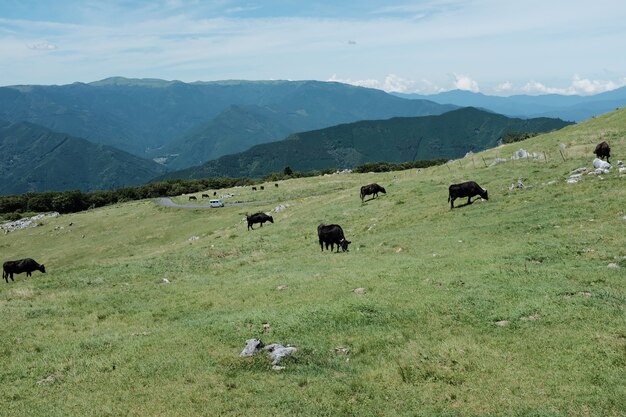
<point>515,136</point>
<point>397,166</point>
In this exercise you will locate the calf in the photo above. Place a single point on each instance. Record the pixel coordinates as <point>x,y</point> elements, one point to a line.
<point>603,150</point>
<point>205,196</point>
<point>214,193</point>
<point>371,189</point>
<point>276,185</point>
<point>262,187</point>
<point>27,265</point>
<point>467,189</point>
<point>253,188</point>
<point>258,218</point>
<point>192,197</point>
<point>332,234</point>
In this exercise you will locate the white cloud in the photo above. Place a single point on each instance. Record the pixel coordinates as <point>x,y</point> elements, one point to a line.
<point>464,82</point>
<point>393,84</point>
<point>43,46</point>
<point>585,86</point>
<point>579,86</point>
<point>505,87</point>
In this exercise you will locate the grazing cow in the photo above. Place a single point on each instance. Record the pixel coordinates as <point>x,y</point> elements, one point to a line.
<point>262,187</point>
<point>603,150</point>
<point>258,218</point>
<point>332,234</point>
<point>253,188</point>
<point>467,189</point>
<point>371,189</point>
<point>205,196</point>
<point>27,265</point>
<point>276,185</point>
<point>192,197</point>
<point>214,193</point>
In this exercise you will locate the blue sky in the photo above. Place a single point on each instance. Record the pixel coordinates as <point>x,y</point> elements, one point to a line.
<point>500,47</point>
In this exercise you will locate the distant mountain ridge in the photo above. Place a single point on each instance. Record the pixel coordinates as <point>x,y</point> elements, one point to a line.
<point>566,107</point>
<point>156,118</point>
<point>34,159</point>
<point>398,139</point>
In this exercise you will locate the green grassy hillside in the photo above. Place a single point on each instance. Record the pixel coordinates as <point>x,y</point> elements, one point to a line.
<point>506,307</point>
<point>399,139</point>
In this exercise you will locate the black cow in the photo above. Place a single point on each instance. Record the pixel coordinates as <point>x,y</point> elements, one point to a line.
<point>192,197</point>
<point>332,234</point>
<point>27,265</point>
<point>214,193</point>
<point>275,185</point>
<point>262,187</point>
<point>258,218</point>
<point>205,196</point>
<point>603,150</point>
<point>253,188</point>
<point>467,189</point>
<point>371,189</point>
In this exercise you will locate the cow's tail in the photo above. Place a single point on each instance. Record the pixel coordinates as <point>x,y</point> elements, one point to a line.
<point>449,197</point>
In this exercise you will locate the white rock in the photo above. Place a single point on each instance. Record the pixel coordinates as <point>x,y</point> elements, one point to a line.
<point>278,352</point>
<point>599,163</point>
<point>252,347</point>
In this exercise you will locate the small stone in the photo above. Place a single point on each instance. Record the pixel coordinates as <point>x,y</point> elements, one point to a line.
<point>166,281</point>
<point>277,367</point>
<point>282,287</point>
<point>342,350</point>
<point>534,317</point>
<point>359,291</point>
<point>502,323</point>
<point>612,265</point>
<point>398,250</point>
<point>265,327</point>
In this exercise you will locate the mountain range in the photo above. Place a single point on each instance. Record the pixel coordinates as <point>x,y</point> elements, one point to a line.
<point>399,139</point>
<point>567,107</point>
<point>109,133</point>
<point>183,124</point>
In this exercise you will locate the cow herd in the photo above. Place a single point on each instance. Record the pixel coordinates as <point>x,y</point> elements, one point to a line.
<point>328,234</point>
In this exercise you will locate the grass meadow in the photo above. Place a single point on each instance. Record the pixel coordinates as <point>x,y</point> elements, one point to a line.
<point>506,307</point>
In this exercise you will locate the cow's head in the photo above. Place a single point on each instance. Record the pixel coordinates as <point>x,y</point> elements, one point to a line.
<point>382,190</point>
<point>485,195</point>
<point>42,268</point>
<point>271,219</point>
<point>344,244</point>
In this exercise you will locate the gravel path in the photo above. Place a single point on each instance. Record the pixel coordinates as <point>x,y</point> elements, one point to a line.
<point>167,202</point>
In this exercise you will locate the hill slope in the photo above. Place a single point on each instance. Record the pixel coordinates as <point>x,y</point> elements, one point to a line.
<point>395,140</point>
<point>506,307</point>
<point>142,116</point>
<point>33,158</point>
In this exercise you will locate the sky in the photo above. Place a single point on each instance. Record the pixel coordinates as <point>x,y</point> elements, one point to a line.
<point>496,47</point>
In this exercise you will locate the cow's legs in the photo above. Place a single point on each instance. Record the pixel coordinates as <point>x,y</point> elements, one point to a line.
<point>469,200</point>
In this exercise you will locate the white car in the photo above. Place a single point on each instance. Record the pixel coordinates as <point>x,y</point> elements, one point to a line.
<point>216,203</point>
